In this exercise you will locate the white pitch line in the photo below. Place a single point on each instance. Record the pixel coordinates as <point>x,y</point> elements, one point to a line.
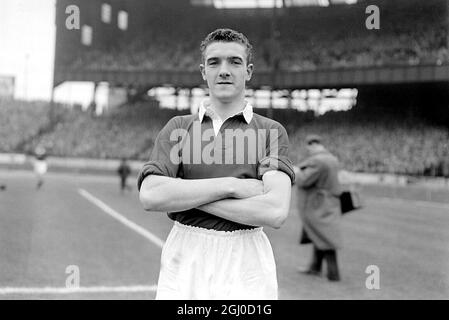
<point>421,203</point>
<point>63,290</point>
<point>142,231</point>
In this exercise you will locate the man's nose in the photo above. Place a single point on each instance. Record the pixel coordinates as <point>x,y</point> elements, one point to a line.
<point>224,70</point>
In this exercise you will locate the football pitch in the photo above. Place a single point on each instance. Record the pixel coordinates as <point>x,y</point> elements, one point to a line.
<point>82,224</point>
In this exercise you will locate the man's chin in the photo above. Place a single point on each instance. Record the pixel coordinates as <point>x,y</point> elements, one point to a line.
<point>224,97</point>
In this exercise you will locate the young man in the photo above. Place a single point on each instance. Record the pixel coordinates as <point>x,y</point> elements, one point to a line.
<point>220,193</point>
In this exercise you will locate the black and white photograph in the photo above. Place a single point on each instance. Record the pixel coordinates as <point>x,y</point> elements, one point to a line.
<point>224,150</point>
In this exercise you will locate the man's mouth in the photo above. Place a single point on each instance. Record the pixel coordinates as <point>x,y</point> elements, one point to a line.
<point>224,82</point>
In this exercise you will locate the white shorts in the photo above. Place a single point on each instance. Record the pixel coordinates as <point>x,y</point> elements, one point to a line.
<point>40,167</point>
<point>198,263</point>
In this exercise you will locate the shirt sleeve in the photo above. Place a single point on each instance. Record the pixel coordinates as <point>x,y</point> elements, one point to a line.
<point>277,154</point>
<point>165,156</point>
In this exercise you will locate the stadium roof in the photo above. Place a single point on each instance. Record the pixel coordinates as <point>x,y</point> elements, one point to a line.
<point>268,3</point>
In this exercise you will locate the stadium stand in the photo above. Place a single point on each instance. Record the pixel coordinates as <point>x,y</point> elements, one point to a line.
<point>381,146</point>
<point>411,33</point>
<point>21,121</point>
<point>364,143</point>
<point>310,38</point>
<point>126,132</point>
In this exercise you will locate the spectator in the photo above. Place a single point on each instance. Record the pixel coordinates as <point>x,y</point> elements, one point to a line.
<point>124,171</point>
<point>319,206</point>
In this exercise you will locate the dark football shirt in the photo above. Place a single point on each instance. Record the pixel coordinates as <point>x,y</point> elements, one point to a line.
<point>185,147</point>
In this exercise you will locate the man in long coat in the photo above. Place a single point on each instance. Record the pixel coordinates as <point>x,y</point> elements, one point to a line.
<point>319,206</point>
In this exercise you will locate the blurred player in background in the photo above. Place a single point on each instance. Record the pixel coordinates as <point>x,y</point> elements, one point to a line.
<point>124,171</point>
<point>40,165</point>
<point>319,206</point>
<point>217,248</point>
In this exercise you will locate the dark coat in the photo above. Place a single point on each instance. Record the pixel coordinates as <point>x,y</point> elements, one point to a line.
<point>124,170</point>
<point>445,166</point>
<point>318,199</point>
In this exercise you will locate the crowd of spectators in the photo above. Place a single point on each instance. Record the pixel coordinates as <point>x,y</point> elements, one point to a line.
<point>125,132</point>
<point>309,39</point>
<point>426,45</point>
<point>21,121</point>
<point>363,144</point>
<point>382,148</point>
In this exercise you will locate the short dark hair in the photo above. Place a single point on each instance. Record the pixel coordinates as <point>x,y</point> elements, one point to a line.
<point>227,35</point>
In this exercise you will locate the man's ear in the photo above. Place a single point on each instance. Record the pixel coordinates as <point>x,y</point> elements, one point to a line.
<point>249,71</point>
<point>203,71</point>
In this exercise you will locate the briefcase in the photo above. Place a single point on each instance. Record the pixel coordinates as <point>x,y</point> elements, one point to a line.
<point>350,201</point>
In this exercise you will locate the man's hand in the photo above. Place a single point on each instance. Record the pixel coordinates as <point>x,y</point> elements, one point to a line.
<point>267,209</point>
<point>247,188</point>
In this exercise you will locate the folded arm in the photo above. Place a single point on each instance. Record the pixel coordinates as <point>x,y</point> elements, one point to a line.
<point>268,209</point>
<point>159,193</point>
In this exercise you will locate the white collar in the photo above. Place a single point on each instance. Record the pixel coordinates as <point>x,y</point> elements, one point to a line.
<point>205,109</point>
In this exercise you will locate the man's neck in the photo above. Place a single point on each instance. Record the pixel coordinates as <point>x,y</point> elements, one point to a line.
<point>225,109</point>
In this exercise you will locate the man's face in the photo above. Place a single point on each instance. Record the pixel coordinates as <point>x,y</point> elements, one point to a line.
<point>225,70</point>
<point>313,148</point>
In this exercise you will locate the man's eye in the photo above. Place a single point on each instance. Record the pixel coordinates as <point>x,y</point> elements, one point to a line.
<point>237,62</point>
